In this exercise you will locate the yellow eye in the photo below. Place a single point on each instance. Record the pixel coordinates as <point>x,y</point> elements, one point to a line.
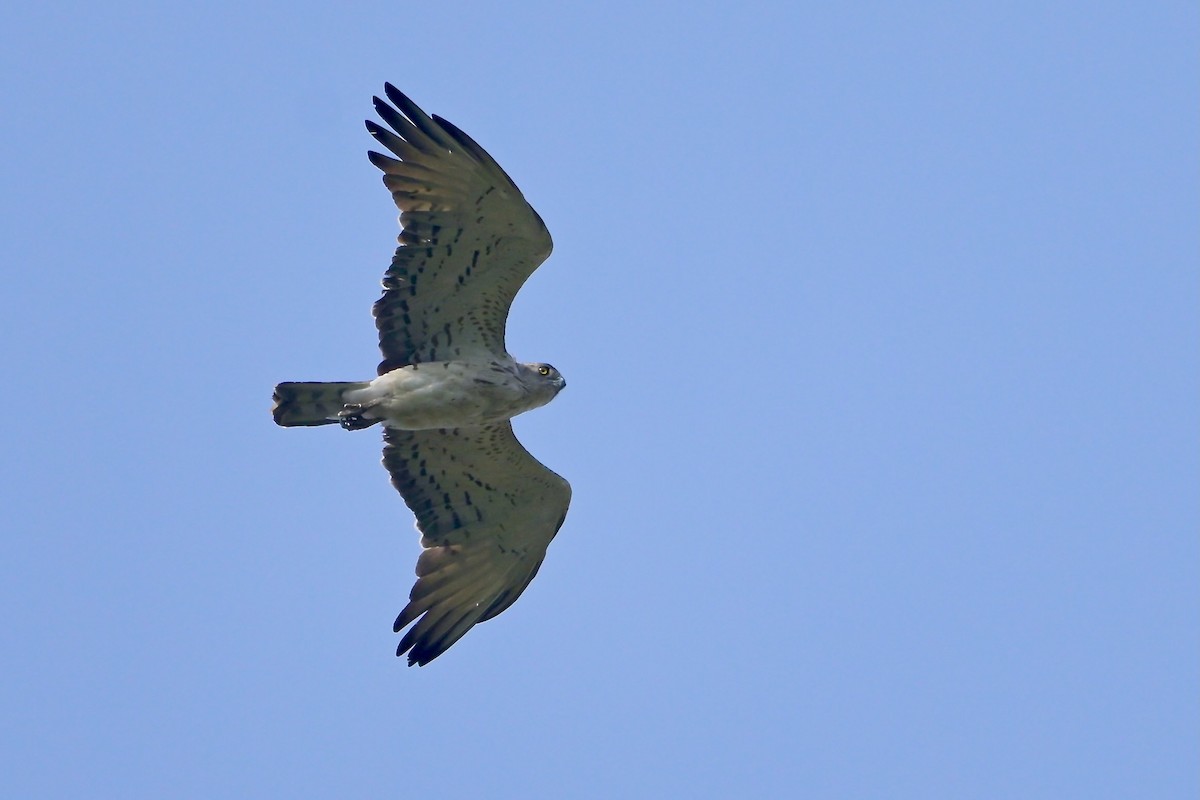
<point>543,370</point>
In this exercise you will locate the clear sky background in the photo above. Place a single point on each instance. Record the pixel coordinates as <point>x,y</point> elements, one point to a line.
<point>880,324</point>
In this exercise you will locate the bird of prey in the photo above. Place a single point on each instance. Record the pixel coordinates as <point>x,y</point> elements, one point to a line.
<point>447,387</point>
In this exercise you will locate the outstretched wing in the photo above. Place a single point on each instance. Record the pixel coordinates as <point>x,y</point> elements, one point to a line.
<point>486,510</point>
<point>468,241</point>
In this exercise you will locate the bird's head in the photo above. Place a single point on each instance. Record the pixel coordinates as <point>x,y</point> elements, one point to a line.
<point>544,378</point>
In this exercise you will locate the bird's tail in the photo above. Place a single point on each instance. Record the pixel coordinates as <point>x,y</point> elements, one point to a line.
<point>310,403</point>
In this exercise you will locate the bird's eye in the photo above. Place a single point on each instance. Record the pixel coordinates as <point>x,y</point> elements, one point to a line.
<point>543,370</point>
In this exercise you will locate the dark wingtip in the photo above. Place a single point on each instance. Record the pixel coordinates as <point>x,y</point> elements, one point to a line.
<point>415,657</point>
<point>380,160</point>
<point>419,658</point>
<point>396,96</point>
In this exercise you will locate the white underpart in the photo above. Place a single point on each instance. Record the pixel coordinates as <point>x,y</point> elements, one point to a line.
<point>447,394</point>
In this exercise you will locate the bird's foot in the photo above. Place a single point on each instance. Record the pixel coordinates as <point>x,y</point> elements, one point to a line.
<point>352,419</point>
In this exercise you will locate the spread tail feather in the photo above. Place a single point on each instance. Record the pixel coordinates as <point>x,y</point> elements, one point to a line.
<point>314,403</point>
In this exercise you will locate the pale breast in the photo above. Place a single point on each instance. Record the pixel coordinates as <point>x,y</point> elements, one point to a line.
<point>446,394</point>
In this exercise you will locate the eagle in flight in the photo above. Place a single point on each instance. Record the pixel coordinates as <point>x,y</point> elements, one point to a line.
<point>447,387</point>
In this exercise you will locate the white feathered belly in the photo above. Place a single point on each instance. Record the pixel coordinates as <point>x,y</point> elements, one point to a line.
<point>443,395</point>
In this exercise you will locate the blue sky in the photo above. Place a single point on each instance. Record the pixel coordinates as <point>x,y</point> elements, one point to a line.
<point>880,327</point>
